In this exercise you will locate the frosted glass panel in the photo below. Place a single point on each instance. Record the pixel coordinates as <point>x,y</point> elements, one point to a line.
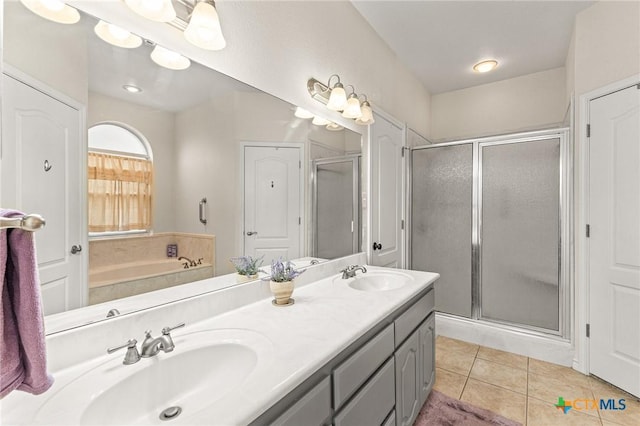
<point>520,233</point>
<point>335,210</point>
<point>442,180</point>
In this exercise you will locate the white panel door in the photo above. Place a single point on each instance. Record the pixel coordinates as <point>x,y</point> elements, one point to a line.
<point>387,140</point>
<point>272,216</point>
<point>41,173</point>
<point>614,243</point>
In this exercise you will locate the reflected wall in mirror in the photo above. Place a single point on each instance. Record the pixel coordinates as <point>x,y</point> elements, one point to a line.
<point>209,137</point>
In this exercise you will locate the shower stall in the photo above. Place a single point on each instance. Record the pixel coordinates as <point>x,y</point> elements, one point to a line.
<point>336,206</point>
<point>491,216</point>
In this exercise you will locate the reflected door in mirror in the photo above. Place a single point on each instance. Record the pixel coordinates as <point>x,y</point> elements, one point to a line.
<point>272,211</point>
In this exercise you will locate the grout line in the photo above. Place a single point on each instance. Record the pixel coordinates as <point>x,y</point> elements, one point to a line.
<point>526,401</point>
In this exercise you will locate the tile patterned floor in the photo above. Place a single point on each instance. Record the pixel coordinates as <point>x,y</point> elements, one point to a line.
<point>524,389</point>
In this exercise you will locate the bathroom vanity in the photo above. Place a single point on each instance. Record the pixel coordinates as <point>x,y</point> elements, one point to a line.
<point>349,351</point>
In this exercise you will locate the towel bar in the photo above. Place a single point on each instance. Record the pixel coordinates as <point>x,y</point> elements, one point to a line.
<point>30,222</point>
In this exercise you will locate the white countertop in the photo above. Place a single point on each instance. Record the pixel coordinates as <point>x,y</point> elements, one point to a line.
<point>326,318</point>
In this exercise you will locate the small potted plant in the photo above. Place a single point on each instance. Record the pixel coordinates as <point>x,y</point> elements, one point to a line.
<point>247,267</point>
<point>281,281</point>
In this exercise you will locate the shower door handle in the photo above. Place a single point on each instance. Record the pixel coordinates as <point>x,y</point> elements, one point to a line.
<point>202,212</point>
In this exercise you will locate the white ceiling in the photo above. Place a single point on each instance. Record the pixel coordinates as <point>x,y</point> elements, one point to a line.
<point>440,41</point>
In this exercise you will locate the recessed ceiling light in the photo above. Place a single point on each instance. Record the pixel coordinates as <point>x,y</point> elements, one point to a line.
<point>485,66</point>
<point>131,88</point>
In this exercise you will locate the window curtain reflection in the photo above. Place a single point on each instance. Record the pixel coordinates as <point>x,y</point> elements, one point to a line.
<point>120,192</point>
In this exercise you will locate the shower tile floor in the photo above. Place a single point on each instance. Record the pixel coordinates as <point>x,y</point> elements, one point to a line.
<point>524,389</point>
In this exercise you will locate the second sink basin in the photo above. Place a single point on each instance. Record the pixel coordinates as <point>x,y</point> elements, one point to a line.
<point>203,368</point>
<point>379,281</point>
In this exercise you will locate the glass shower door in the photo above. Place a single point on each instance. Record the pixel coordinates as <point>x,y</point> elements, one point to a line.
<point>335,207</point>
<point>441,222</point>
<point>520,233</point>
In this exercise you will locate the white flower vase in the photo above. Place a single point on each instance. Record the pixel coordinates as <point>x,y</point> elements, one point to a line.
<point>245,278</point>
<point>282,291</point>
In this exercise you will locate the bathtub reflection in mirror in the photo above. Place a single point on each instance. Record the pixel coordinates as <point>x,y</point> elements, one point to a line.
<point>206,132</point>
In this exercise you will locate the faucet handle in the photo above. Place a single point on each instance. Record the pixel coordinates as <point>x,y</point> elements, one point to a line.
<point>168,330</point>
<point>132,356</point>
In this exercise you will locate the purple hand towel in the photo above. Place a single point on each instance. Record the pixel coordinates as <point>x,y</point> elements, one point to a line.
<point>23,356</point>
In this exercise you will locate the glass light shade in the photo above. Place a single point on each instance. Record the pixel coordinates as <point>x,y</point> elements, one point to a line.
<point>485,66</point>
<point>53,10</point>
<point>352,110</point>
<point>319,121</point>
<point>155,10</point>
<point>169,59</point>
<point>367,114</point>
<point>204,28</point>
<point>302,113</point>
<point>338,98</point>
<point>117,36</point>
<point>334,127</point>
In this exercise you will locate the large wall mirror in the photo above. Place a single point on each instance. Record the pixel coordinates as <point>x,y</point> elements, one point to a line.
<point>224,168</point>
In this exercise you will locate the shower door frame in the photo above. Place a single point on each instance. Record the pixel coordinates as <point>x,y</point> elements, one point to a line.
<point>565,228</point>
<point>355,160</point>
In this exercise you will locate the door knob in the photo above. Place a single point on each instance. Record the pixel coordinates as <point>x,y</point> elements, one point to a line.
<point>250,233</point>
<point>75,249</point>
<point>377,246</point>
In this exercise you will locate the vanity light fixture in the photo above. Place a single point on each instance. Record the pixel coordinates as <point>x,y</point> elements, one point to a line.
<point>204,27</point>
<point>117,36</point>
<point>333,97</point>
<point>155,10</point>
<point>303,113</point>
<point>367,113</point>
<point>131,88</point>
<point>319,121</point>
<point>352,109</point>
<point>338,97</point>
<point>53,10</point>
<point>169,59</point>
<point>485,66</point>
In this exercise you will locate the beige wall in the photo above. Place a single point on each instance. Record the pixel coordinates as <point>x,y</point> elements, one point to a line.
<point>277,45</point>
<point>607,45</point>
<point>157,126</point>
<point>27,47</point>
<point>528,102</point>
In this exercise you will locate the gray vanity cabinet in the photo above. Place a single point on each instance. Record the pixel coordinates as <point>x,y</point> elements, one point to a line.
<point>407,380</point>
<point>314,408</point>
<point>427,357</point>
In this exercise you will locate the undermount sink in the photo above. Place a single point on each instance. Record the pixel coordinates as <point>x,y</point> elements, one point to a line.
<point>379,281</point>
<point>203,368</point>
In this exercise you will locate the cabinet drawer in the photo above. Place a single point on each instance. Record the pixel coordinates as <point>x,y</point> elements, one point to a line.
<point>412,317</point>
<point>373,403</point>
<point>352,373</point>
<point>313,409</point>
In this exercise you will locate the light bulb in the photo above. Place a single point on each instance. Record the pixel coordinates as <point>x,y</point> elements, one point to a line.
<point>338,98</point>
<point>131,88</point>
<point>319,121</point>
<point>485,66</point>
<point>155,10</point>
<point>169,59</point>
<point>204,28</point>
<point>53,10</point>
<point>352,110</point>
<point>117,36</point>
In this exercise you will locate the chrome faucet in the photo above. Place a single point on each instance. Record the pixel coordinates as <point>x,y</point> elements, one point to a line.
<point>150,346</point>
<point>132,356</point>
<point>350,271</point>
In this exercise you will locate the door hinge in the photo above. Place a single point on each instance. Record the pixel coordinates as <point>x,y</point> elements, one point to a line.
<point>588,130</point>
<point>588,232</point>
<point>403,149</point>
<point>300,164</point>
<point>402,224</point>
<point>299,220</point>
<point>588,330</point>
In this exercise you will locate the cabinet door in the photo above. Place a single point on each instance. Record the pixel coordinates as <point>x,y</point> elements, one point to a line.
<point>426,356</point>
<point>312,409</point>
<point>407,381</point>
